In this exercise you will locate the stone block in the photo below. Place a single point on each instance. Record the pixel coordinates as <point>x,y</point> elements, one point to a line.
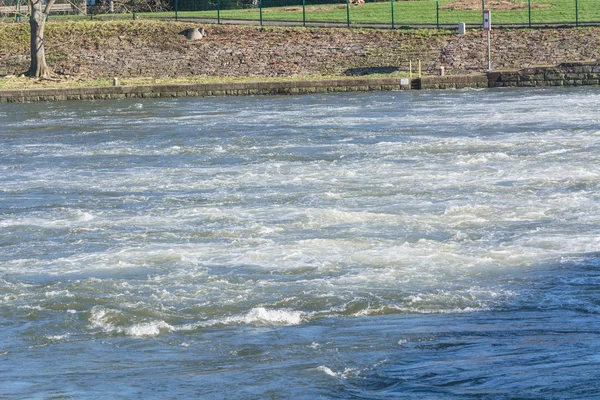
<point>527,84</point>
<point>573,75</point>
<point>510,77</point>
<point>553,76</point>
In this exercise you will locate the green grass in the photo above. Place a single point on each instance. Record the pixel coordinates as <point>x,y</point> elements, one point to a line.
<point>417,12</point>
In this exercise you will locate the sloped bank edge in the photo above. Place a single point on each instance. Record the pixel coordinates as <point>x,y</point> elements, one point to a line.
<point>585,73</point>
<point>204,89</point>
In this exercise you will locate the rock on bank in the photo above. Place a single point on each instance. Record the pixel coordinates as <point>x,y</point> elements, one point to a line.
<point>96,49</point>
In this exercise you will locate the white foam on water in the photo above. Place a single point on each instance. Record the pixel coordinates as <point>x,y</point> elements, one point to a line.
<point>263,316</point>
<point>258,316</point>
<point>148,329</point>
<point>345,374</point>
<point>114,321</point>
<point>58,337</point>
<point>428,218</point>
<point>328,217</point>
<point>327,371</point>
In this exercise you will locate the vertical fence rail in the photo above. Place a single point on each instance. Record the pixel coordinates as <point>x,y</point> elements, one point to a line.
<point>133,9</point>
<point>219,12</point>
<point>576,12</point>
<point>437,14</point>
<point>348,13</point>
<point>303,12</point>
<point>176,10</point>
<point>260,11</point>
<point>529,12</point>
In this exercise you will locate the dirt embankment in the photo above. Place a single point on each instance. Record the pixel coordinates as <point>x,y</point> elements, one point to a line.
<point>157,49</point>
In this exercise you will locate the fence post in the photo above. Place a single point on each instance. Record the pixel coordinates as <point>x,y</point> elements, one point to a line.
<point>176,9</point>
<point>348,13</point>
<point>392,1</point>
<point>260,7</point>
<point>133,8</point>
<point>482,10</point>
<point>529,11</point>
<point>437,14</point>
<point>303,12</point>
<point>219,12</point>
<point>576,12</point>
<point>18,14</point>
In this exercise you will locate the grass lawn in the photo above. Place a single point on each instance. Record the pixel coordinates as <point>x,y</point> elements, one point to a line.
<point>420,12</point>
<point>412,12</point>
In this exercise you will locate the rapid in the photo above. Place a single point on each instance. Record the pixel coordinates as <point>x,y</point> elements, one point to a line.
<point>410,245</point>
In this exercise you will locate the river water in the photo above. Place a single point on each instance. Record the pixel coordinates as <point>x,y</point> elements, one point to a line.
<point>401,245</point>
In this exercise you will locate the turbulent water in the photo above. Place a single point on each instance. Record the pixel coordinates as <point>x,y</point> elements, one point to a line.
<point>428,245</point>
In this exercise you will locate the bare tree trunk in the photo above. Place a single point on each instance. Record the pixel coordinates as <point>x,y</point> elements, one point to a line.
<point>37,22</point>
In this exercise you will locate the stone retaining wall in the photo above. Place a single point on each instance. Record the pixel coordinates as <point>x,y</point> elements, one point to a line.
<point>565,74</point>
<point>215,89</point>
<point>452,82</point>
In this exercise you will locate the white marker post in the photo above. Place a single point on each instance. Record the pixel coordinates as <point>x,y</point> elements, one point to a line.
<point>487,27</point>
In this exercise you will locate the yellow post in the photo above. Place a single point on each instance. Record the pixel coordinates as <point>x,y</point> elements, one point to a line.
<point>419,68</point>
<point>410,69</point>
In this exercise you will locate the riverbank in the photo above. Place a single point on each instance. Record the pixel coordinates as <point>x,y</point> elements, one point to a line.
<point>566,74</point>
<point>87,50</point>
<point>154,59</point>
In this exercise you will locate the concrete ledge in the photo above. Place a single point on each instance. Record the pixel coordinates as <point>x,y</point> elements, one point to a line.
<point>205,89</point>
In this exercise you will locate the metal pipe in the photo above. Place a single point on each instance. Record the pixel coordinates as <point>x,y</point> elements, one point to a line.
<point>348,13</point>
<point>303,12</point>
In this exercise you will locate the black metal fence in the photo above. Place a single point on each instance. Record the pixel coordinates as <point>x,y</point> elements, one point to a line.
<point>386,13</point>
